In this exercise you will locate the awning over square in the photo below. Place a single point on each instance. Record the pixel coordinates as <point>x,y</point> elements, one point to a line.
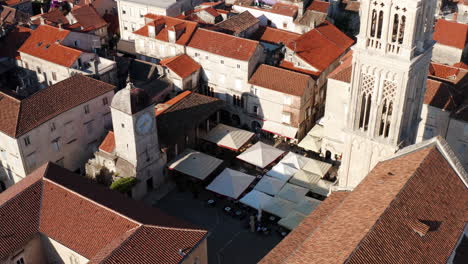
<point>269,185</point>
<point>307,205</point>
<point>260,155</point>
<point>279,207</point>
<point>292,193</point>
<point>294,160</point>
<point>311,181</point>
<point>313,140</point>
<point>292,220</point>
<point>280,129</point>
<point>317,167</point>
<point>256,199</point>
<point>228,137</point>
<point>194,163</point>
<point>231,183</point>
<point>282,172</point>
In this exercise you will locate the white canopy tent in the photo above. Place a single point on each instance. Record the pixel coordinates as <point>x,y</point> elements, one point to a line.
<point>292,193</point>
<point>228,137</point>
<point>195,164</point>
<point>294,160</point>
<point>260,155</point>
<point>311,181</point>
<point>279,207</point>
<point>269,185</point>
<point>307,205</point>
<point>280,129</point>
<point>256,199</point>
<point>313,140</point>
<point>292,220</point>
<point>231,183</point>
<point>317,167</point>
<point>282,171</point>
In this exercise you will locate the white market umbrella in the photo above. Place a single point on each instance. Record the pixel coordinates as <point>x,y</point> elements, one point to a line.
<point>260,154</point>
<point>231,183</point>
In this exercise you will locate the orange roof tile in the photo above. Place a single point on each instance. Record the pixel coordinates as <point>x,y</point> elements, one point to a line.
<point>283,9</point>
<point>461,65</point>
<point>88,18</point>
<point>280,80</point>
<point>451,33</point>
<point>440,95</point>
<point>181,65</point>
<point>108,144</point>
<point>44,43</point>
<point>102,225</point>
<point>321,46</point>
<point>275,36</point>
<point>374,223</point>
<point>447,73</point>
<point>290,66</point>
<point>344,71</point>
<point>160,108</point>
<point>319,6</point>
<point>223,44</point>
<point>168,23</point>
<point>17,117</point>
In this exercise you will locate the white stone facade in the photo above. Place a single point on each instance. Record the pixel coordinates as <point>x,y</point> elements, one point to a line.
<point>390,67</point>
<point>68,139</point>
<point>131,13</point>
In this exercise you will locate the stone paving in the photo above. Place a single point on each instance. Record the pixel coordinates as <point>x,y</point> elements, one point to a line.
<point>230,240</point>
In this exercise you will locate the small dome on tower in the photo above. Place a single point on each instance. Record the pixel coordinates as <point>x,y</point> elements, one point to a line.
<point>131,100</point>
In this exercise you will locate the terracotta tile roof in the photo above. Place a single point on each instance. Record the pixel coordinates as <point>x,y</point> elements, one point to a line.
<point>209,10</point>
<point>88,18</point>
<point>321,46</point>
<point>13,41</point>
<point>54,16</point>
<point>44,43</point>
<point>22,201</point>
<point>18,117</point>
<point>280,80</point>
<point>301,233</point>
<point>290,66</point>
<point>451,33</point>
<point>181,65</point>
<point>440,95</point>
<point>319,6</point>
<point>344,71</point>
<point>168,23</point>
<point>223,44</point>
<point>239,23</point>
<point>15,2</point>
<point>10,15</point>
<point>275,36</point>
<point>108,144</point>
<point>283,9</point>
<point>353,6</point>
<point>461,65</point>
<point>91,220</point>
<point>143,240</point>
<point>447,73</point>
<point>375,222</point>
<point>183,113</point>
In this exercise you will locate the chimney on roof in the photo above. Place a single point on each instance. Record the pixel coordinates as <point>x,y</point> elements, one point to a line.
<point>455,16</point>
<point>60,26</point>
<point>42,20</point>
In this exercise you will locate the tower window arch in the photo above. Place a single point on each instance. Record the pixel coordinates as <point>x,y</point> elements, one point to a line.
<point>386,108</point>
<point>401,33</point>
<point>380,24</point>
<point>395,27</point>
<point>373,23</point>
<point>365,100</point>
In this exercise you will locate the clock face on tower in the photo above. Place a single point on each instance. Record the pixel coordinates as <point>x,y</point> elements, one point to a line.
<point>144,123</point>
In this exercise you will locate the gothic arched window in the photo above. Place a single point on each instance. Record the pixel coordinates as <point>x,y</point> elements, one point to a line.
<point>373,23</point>
<point>386,107</point>
<point>401,33</point>
<point>365,100</point>
<point>395,28</point>
<point>379,27</point>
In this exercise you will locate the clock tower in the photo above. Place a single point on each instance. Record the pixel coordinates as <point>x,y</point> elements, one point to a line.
<point>136,137</point>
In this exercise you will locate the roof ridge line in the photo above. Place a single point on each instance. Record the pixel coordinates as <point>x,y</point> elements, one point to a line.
<point>388,206</point>
<point>92,201</point>
<point>134,231</point>
<point>174,228</point>
<point>318,225</point>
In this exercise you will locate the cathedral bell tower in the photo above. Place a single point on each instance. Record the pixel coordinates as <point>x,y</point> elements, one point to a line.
<point>390,66</point>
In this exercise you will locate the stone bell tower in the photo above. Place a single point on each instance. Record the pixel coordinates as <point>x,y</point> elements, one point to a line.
<point>390,66</point>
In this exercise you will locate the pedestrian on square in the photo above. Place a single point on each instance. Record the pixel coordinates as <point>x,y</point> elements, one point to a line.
<point>252,223</point>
